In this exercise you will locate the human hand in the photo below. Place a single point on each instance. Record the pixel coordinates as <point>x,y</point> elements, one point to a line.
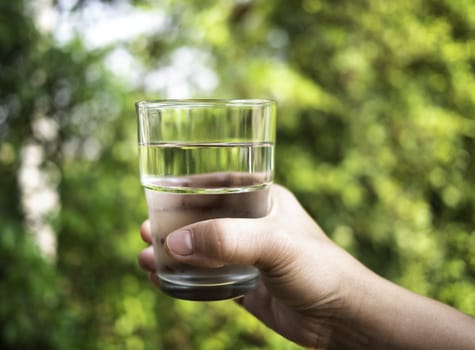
<point>309,288</point>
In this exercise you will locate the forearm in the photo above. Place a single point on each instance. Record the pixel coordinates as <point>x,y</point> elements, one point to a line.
<point>390,317</point>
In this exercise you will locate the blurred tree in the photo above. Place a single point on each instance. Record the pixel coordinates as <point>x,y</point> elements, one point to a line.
<point>375,135</point>
<point>63,103</point>
<point>28,282</point>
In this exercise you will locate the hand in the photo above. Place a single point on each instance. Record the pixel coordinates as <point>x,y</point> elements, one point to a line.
<point>308,284</point>
<point>310,290</point>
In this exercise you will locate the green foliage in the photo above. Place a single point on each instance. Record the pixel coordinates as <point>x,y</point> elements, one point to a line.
<point>33,309</point>
<point>376,136</point>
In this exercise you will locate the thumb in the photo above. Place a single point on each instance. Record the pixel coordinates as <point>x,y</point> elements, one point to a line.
<point>219,242</point>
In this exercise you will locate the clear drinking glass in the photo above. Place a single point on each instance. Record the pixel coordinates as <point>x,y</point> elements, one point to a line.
<point>204,159</point>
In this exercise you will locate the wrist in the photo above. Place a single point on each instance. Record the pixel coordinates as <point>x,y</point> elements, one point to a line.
<point>359,286</point>
<point>344,328</point>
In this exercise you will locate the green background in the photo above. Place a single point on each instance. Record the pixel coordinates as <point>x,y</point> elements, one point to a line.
<point>376,136</point>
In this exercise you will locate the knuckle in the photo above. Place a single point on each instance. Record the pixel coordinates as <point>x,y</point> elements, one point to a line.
<point>218,240</point>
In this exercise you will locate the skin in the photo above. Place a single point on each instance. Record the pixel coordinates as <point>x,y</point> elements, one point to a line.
<point>311,291</point>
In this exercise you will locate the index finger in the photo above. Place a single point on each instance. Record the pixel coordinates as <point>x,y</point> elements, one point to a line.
<point>146,232</point>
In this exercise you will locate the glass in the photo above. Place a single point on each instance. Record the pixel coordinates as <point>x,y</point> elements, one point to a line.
<point>204,159</point>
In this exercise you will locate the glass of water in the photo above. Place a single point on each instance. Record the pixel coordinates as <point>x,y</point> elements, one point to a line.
<point>204,159</point>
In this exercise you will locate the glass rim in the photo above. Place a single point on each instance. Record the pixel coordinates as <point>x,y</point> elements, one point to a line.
<point>204,102</point>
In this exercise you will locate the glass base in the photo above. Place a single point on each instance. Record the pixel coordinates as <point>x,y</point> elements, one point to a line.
<point>208,292</point>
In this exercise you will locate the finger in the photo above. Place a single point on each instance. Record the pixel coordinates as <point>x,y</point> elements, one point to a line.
<point>147,259</point>
<point>146,232</point>
<point>152,276</point>
<point>239,300</point>
<point>219,242</point>
<point>259,303</point>
<point>260,242</point>
<point>248,300</point>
